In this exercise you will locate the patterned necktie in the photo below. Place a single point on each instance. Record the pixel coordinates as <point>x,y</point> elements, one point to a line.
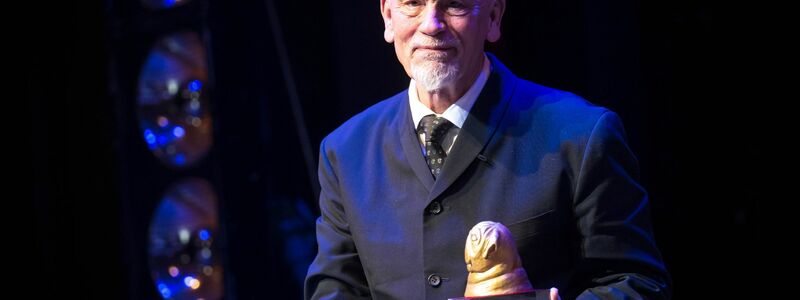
<point>435,128</point>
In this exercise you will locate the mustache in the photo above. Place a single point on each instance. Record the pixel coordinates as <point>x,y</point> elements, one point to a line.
<point>426,42</point>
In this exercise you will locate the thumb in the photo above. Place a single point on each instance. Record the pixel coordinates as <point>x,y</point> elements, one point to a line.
<point>554,294</point>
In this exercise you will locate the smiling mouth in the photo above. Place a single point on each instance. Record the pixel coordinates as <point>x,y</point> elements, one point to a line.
<point>435,53</point>
<point>434,48</point>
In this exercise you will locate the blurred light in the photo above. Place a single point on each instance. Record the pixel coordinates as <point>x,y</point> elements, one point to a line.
<point>195,284</point>
<point>172,86</point>
<point>180,159</point>
<point>162,140</point>
<point>195,85</point>
<point>162,121</point>
<point>204,235</point>
<point>173,271</point>
<point>178,132</point>
<point>163,4</point>
<point>149,137</point>
<point>164,290</point>
<point>173,107</point>
<point>194,104</point>
<point>188,280</point>
<point>191,282</point>
<point>183,235</point>
<point>183,256</point>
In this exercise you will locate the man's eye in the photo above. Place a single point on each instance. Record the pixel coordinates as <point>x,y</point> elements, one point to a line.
<point>456,4</point>
<point>411,7</point>
<point>457,8</point>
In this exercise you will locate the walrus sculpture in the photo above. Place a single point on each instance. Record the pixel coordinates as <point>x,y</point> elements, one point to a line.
<point>493,263</point>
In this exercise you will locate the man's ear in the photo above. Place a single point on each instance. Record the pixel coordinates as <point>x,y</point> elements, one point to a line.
<point>386,13</point>
<point>495,18</point>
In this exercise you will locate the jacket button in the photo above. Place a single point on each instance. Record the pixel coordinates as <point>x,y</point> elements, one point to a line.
<point>434,280</point>
<point>435,208</point>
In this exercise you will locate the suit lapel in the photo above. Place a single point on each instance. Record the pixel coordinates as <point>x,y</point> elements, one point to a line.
<point>480,126</point>
<point>411,146</point>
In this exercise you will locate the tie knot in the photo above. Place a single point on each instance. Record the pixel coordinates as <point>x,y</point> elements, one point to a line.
<point>434,128</point>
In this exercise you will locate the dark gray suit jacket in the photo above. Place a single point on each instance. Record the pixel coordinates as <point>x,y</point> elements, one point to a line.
<point>551,166</point>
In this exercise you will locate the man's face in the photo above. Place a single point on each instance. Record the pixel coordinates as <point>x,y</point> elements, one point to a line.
<point>439,42</point>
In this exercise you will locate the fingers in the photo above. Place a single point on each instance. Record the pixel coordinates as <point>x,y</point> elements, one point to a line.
<point>554,294</point>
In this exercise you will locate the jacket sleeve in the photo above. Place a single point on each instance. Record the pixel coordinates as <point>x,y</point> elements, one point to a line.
<point>618,256</point>
<point>336,272</point>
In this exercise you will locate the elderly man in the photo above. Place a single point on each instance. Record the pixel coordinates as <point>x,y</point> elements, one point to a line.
<point>405,180</point>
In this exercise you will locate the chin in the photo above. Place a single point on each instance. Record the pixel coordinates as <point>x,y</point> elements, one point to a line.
<point>434,75</point>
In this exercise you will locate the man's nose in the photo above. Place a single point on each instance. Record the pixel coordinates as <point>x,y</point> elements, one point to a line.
<point>432,21</point>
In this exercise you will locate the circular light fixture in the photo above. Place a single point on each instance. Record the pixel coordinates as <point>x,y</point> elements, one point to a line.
<point>183,250</point>
<point>172,100</point>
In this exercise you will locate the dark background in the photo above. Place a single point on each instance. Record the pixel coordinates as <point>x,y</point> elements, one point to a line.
<point>671,70</point>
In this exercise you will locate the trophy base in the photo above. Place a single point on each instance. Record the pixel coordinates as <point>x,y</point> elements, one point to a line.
<point>534,295</point>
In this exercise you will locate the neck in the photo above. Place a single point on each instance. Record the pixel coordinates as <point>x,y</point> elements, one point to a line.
<point>439,100</point>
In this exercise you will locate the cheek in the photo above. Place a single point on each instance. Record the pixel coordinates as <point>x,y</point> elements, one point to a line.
<point>400,39</point>
<point>403,29</point>
<point>469,34</point>
<point>469,41</point>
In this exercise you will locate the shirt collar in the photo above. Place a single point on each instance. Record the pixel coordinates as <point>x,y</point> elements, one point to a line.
<point>457,112</point>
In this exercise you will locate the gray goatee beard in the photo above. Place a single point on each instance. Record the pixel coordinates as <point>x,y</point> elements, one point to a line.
<point>433,74</point>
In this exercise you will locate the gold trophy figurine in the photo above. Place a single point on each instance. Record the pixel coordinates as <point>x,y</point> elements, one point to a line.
<point>493,263</point>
